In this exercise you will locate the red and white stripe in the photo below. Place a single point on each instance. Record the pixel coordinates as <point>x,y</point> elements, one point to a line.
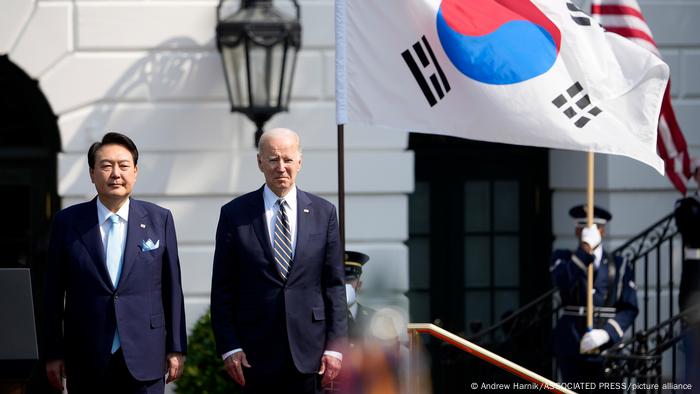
<point>625,18</point>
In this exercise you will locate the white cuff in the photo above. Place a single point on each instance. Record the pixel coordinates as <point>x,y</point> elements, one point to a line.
<point>231,353</point>
<point>331,353</point>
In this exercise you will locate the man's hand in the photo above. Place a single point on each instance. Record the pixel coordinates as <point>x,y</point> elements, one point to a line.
<point>593,340</point>
<point>176,364</point>
<point>330,367</point>
<point>56,371</point>
<point>234,366</point>
<point>590,237</point>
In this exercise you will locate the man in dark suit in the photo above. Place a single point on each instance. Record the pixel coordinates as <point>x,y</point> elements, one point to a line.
<point>114,308</point>
<point>614,299</point>
<point>278,305</point>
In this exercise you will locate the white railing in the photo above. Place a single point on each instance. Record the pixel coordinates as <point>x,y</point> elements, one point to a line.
<point>415,329</point>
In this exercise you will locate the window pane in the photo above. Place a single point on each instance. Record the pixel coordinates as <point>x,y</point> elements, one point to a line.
<point>477,206</point>
<point>477,261</point>
<point>419,208</point>
<point>506,259</point>
<point>477,308</point>
<point>506,300</point>
<point>506,206</point>
<point>260,61</point>
<point>236,74</point>
<point>419,268</point>
<point>419,302</point>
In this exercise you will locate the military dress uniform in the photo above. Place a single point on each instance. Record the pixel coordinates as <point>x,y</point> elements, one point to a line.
<point>358,323</point>
<point>359,316</point>
<point>614,300</point>
<point>350,380</point>
<point>687,215</point>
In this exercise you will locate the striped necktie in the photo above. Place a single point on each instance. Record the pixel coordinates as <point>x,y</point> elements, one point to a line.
<point>282,241</point>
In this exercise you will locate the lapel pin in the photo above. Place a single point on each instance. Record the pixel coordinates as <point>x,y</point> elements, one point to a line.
<point>306,210</point>
<point>143,225</point>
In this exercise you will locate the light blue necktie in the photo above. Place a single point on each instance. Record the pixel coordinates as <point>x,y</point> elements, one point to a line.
<point>114,260</point>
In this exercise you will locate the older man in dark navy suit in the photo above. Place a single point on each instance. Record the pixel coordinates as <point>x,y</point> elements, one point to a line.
<point>115,319</point>
<point>278,304</point>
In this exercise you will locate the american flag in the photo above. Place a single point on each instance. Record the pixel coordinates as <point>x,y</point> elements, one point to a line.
<point>625,18</point>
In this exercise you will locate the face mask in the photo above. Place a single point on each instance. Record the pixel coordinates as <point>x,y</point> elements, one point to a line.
<point>350,295</point>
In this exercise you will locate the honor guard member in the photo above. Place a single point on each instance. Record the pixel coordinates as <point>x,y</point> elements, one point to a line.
<point>614,299</point>
<point>359,315</point>
<point>350,380</point>
<point>687,215</point>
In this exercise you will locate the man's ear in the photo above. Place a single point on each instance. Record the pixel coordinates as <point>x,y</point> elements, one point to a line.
<point>602,231</point>
<point>259,161</point>
<point>91,171</point>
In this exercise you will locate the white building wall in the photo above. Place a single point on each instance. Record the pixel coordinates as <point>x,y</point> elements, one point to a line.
<point>635,194</point>
<point>150,69</point>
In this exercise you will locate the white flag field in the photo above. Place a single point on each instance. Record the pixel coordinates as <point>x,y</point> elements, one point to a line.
<point>523,72</point>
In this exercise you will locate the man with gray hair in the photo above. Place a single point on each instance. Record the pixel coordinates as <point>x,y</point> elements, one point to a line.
<point>278,305</point>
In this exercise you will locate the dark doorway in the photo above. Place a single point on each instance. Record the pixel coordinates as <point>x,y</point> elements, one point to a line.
<point>480,237</point>
<point>29,142</point>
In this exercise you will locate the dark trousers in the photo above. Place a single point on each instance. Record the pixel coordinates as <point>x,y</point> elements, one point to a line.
<point>587,372</point>
<point>285,379</point>
<point>115,379</point>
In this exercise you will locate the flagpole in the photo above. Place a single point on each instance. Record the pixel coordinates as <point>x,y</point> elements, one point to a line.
<point>341,185</point>
<point>589,222</point>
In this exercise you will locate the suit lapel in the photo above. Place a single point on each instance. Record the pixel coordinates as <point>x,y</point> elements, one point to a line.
<point>303,230</point>
<point>134,235</point>
<point>89,230</point>
<point>257,218</point>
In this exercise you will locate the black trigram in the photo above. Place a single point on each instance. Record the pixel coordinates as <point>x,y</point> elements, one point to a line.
<point>580,17</point>
<point>426,56</point>
<point>580,109</point>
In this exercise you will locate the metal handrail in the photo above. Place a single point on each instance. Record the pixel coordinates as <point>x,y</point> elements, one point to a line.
<point>637,251</point>
<point>646,240</point>
<point>658,232</point>
<point>515,315</point>
<point>426,328</point>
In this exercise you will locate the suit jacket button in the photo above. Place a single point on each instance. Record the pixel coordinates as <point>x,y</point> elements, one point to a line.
<point>116,297</point>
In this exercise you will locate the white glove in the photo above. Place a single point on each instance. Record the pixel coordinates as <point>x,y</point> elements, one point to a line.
<point>350,295</point>
<point>593,339</point>
<point>591,236</point>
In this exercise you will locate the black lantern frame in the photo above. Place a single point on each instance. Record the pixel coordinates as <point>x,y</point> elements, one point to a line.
<point>259,46</point>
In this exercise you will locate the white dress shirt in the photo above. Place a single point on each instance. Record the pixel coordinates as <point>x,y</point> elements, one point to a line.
<point>598,256</point>
<point>271,209</point>
<point>103,214</point>
<point>353,310</point>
